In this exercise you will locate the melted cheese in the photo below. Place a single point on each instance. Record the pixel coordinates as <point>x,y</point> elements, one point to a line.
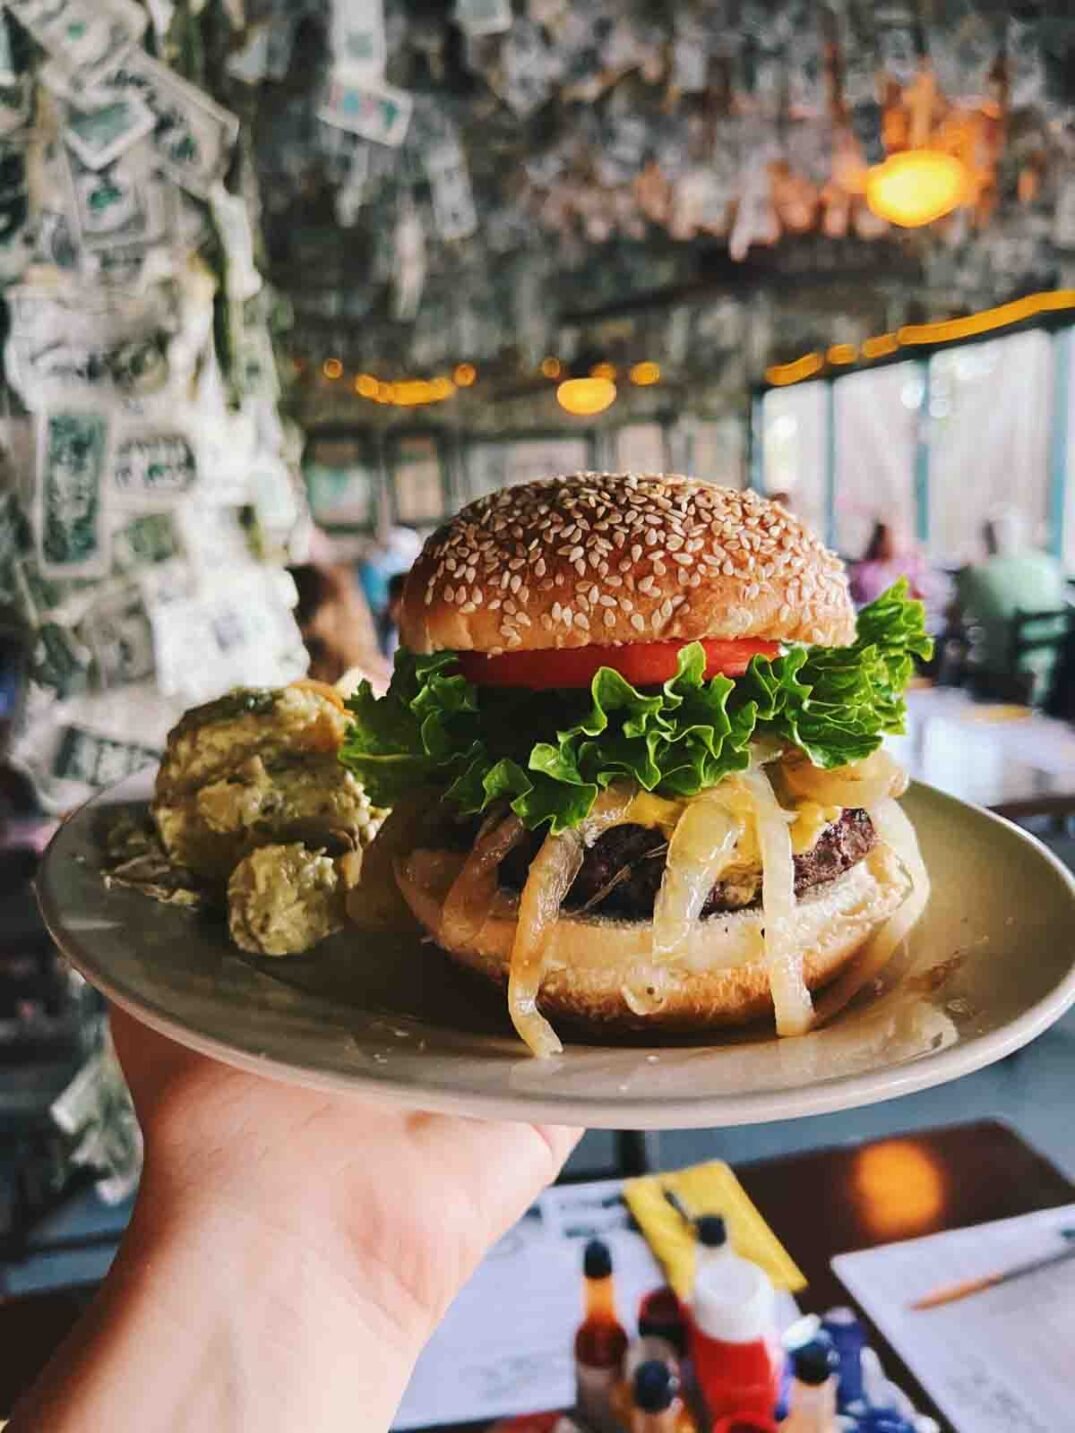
<point>649,810</point>
<point>811,818</point>
<point>662,813</point>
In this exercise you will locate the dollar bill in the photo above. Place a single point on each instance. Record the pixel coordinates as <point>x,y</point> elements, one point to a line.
<point>152,465</point>
<point>453,199</point>
<point>78,338</point>
<point>357,36</point>
<point>367,107</point>
<point>483,17</point>
<point>100,134</point>
<point>117,631</point>
<point>192,135</point>
<point>122,204</point>
<point>145,541</point>
<point>84,37</point>
<point>73,463</point>
<point>92,760</point>
<point>59,661</point>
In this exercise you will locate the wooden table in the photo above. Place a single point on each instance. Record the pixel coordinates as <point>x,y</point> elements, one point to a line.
<point>832,1201</point>
<point>820,1204</point>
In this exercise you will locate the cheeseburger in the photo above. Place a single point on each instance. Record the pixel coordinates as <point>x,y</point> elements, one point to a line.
<point>633,739</point>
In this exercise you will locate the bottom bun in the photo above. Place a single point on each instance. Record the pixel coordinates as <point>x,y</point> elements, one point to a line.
<point>600,971</point>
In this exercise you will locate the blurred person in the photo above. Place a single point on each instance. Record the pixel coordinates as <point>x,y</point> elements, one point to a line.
<point>395,553</point>
<point>389,623</point>
<point>1014,577</point>
<point>336,624</point>
<point>886,560</point>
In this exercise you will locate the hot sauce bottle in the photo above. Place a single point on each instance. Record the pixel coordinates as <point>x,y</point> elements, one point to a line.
<point>600,1342</point>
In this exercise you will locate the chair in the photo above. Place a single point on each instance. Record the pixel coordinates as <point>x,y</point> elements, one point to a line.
<point>1052,632</point>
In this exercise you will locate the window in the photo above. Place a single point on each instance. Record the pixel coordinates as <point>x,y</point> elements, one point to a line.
<point>989,440</point>
<point>492,465</point>
<point>794,450</point>
<point>640,448</point>
<point>417,481</point>
<point>339,482</point>
<point>877,415</point>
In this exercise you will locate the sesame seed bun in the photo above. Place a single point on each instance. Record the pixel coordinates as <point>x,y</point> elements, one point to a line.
<point>600,558</point>
<point>592,963</point>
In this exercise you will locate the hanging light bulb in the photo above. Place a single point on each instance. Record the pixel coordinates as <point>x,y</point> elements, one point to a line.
<point>916,186</point>
<point>645,374</point>
<point>465,375</point>
<point>332,368</point>
<point>586,396</point>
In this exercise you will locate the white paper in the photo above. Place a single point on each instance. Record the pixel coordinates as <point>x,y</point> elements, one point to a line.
<point>998,1360</point>
<point>505,1346</point>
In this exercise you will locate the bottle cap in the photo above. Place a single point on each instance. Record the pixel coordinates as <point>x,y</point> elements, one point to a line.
<point>712,1231</point>
<point>815,1362</point>
<point>733,1302</point>
<point>597,1261</point>
<point>660,1313</point>
<point>655,1386</point>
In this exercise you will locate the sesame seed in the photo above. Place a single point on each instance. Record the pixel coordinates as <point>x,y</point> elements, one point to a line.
<point>610,619</point>
<point>637,623</point>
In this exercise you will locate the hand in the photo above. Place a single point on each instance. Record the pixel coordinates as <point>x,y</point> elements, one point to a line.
<point>267,1207</point>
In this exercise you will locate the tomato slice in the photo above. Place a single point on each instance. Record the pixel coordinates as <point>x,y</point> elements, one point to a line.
<point>643,664</point>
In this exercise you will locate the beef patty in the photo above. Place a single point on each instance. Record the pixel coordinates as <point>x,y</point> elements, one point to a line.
<point>621,872</point>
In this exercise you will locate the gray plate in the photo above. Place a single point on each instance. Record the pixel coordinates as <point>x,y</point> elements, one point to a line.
<point>991,964</point>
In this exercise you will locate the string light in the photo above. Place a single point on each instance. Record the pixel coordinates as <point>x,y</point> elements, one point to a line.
<point>366,385</point>
<point>781,374</point>
<point>841,353</point>
<point>918,335</point>
<point>603,370</point>
<point>586,396</point>
<point>645,374</point>
<point>332,368</point>
<point>916,187</point>
<point>551,367</point>
<point>465,375</point>
<point>881,346</point>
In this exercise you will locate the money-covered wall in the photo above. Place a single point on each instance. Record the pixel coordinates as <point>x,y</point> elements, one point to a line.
<point>147,497</point>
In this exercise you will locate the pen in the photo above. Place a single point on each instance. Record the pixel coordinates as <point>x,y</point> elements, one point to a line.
<point>680,1208</point>
<point>952,1292</point>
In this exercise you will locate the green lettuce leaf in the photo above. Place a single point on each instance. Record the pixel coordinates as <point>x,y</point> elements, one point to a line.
<point>485,745</point>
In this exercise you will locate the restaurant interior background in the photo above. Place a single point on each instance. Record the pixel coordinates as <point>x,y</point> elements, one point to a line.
<point>286,282</point>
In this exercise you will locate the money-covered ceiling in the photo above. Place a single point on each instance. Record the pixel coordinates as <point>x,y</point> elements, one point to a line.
<point>501,179</point>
